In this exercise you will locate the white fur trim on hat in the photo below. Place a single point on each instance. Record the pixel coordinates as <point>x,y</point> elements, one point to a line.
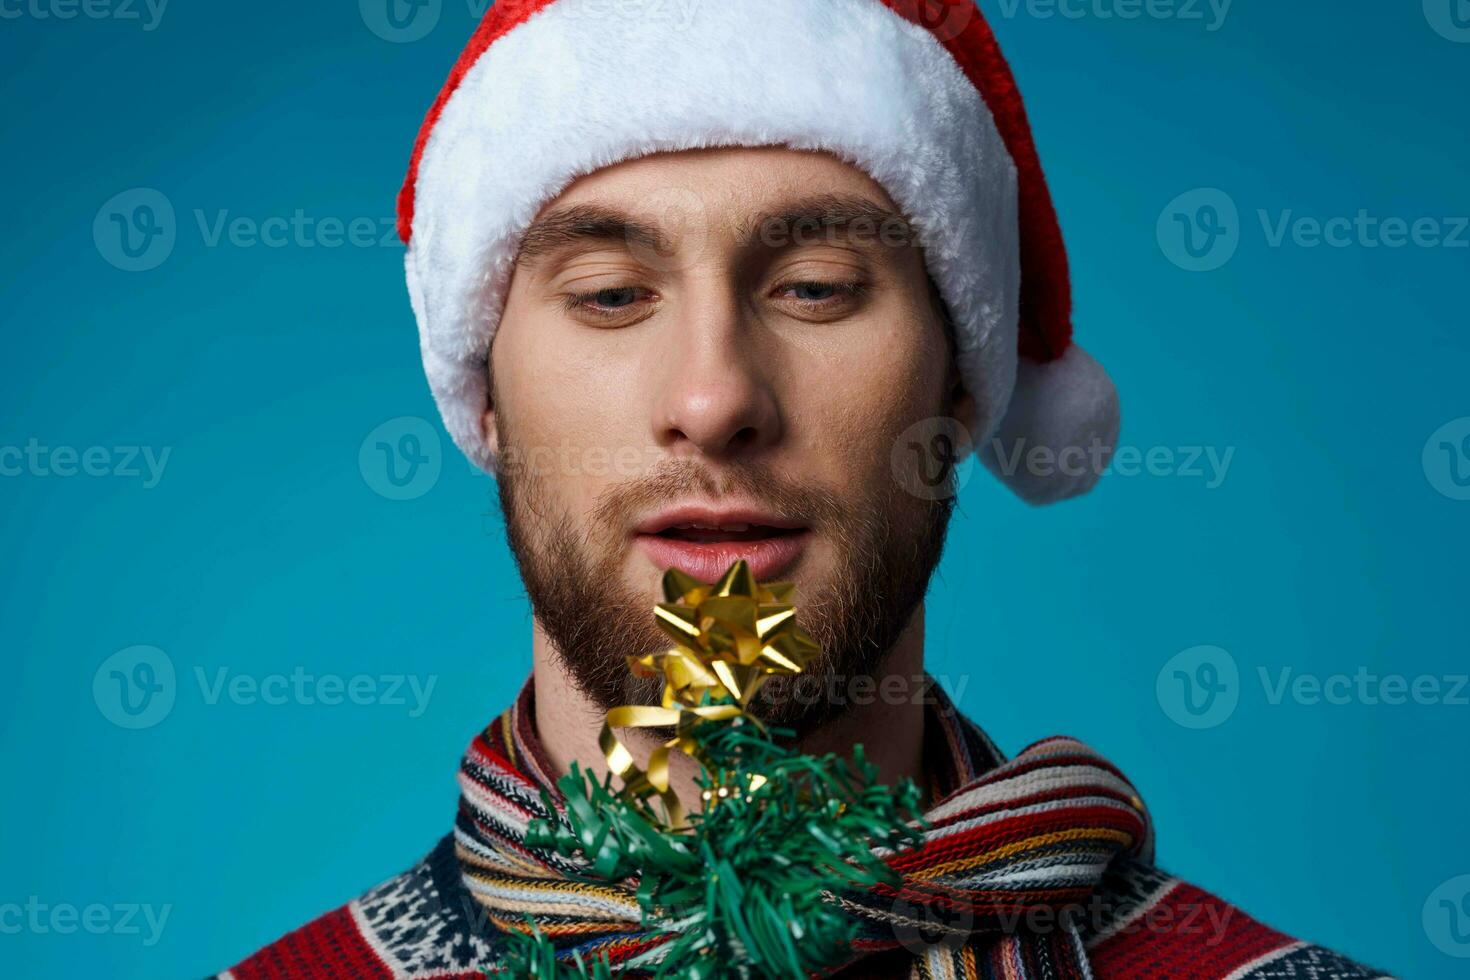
<point>581,85</point>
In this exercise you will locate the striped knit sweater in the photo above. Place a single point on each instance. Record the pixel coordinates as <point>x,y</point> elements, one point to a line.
<point>439,920</point>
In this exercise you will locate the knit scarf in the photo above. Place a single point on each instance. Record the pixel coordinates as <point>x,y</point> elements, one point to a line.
<point>1013,850</point>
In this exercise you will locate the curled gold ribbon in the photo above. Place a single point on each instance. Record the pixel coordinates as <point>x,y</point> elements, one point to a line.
<point>729,638</point>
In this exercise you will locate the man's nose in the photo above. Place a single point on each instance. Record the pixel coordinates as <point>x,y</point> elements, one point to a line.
<point>716,394</point>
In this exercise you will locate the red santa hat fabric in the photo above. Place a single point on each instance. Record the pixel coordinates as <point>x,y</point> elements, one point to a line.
<point>914,92</point>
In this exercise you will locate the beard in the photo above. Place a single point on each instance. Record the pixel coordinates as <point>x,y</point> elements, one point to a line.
<point>886,543</point>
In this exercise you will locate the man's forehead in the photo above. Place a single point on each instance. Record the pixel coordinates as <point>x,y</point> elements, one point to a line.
<point>791,221</point>
<point>768,196</point>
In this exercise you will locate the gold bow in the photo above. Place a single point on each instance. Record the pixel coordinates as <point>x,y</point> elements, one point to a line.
<point>729,638</point>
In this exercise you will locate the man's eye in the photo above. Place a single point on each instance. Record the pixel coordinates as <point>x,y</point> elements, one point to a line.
<point>607,303</point>
<point>814,291</point>
<point>821,292</point>
<point>611,298</point>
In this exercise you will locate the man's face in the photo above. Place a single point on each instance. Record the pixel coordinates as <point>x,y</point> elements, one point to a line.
<point>707,356</point>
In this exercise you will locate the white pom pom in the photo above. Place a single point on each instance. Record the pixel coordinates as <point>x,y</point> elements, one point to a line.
<point>1059,432</point>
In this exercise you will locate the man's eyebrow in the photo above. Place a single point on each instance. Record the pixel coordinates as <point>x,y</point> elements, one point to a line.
<point>588,223</point>
<point>839,216</point>
<point>805,221</point>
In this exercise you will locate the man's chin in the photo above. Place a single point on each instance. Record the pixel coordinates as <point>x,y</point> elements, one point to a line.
<point>857,582</point>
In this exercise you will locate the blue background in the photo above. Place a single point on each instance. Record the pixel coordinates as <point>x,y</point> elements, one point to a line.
<point>265,546</point>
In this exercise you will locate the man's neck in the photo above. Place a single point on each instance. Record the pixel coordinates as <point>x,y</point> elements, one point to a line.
<point>885,713</point>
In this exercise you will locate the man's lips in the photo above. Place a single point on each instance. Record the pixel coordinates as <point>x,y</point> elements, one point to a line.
<point>704,541</point>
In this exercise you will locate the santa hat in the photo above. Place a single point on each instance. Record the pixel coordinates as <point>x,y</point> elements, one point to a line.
<point>913,92</point>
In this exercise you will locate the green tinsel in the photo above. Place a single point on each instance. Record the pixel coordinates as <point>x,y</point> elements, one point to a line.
<point>746,889</point>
